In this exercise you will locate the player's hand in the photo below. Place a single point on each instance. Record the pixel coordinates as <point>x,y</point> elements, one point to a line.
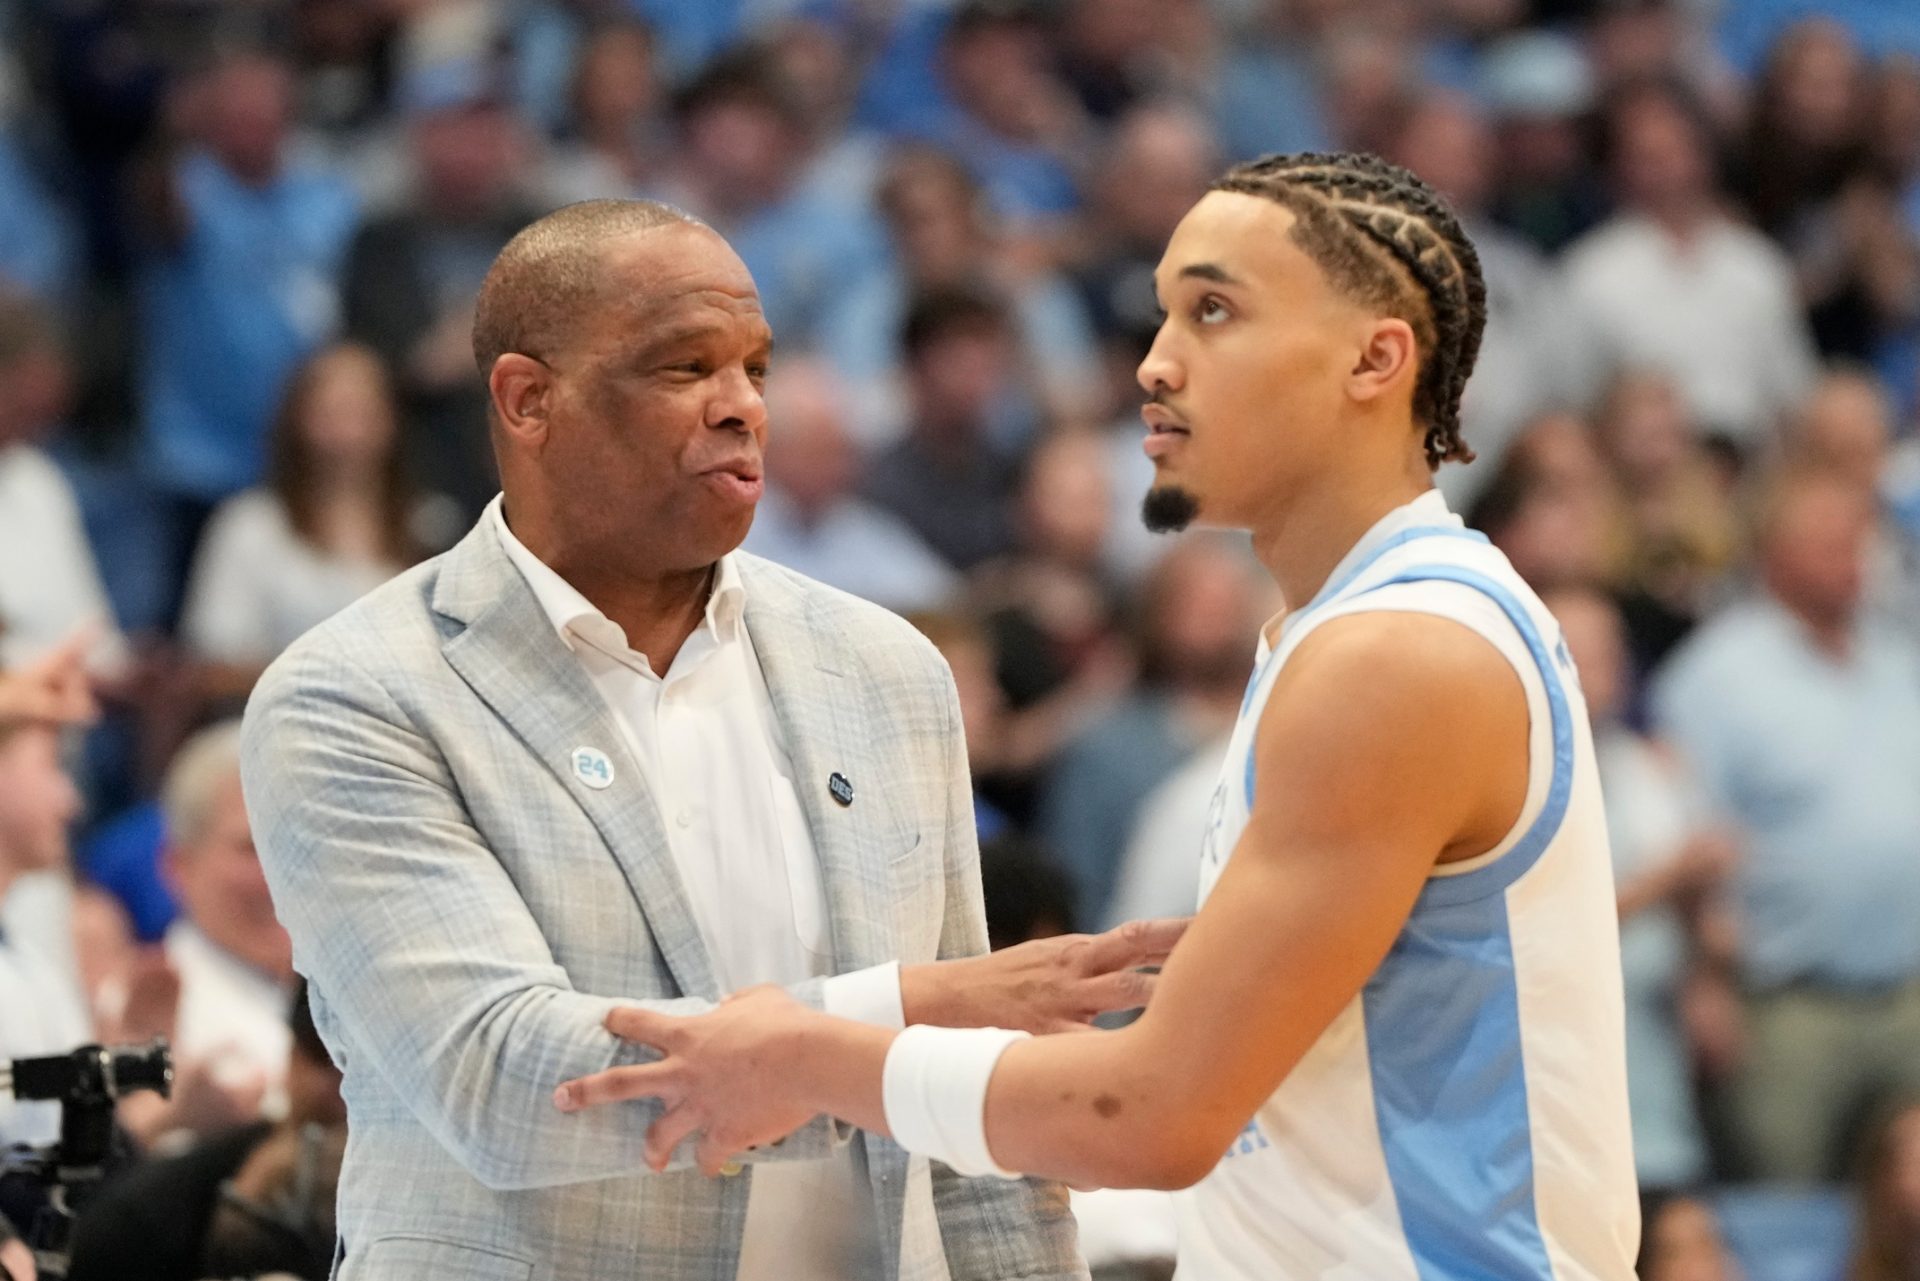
<point>1048,985</point>
<point>721,1076</point>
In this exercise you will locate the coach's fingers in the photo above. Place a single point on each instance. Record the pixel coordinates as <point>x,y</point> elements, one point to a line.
<point>643,1026</point>
<point>669,1132</point>
<point>1133,944</point>
<point>1121,990</point>
<point>617,1085</point>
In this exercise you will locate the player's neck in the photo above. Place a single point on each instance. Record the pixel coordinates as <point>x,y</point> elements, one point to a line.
<point>1301,542</point>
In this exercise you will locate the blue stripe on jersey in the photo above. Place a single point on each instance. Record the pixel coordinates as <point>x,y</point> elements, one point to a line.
<point>1442,1017</point>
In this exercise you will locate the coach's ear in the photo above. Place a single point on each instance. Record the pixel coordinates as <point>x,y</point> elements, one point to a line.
<point>519,387</point>
<point>1387,362</point>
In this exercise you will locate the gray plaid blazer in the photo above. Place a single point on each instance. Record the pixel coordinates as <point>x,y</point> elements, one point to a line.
<point>466,911</point>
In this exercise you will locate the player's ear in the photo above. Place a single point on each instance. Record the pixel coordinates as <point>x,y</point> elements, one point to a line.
<point>1388,359</point>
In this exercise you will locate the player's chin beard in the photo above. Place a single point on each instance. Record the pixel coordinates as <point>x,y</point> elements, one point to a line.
<point>1168,509</point>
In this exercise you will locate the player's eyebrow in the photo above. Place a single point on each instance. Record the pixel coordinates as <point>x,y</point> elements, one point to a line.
<point>1209,271</point>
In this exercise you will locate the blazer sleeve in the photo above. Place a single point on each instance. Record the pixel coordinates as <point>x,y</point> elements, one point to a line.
<point>431,969</point>
<point>993,1229</point>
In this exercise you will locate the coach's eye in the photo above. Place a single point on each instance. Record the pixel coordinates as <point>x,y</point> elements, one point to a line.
<point>1210,310</point>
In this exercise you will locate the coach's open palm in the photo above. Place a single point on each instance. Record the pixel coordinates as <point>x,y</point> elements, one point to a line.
<point>720,1075</point>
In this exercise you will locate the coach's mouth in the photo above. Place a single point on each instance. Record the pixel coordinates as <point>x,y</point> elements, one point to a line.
<point>740,478</point>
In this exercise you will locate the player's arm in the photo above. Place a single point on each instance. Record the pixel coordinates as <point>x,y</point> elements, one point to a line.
<point>1389,742</point>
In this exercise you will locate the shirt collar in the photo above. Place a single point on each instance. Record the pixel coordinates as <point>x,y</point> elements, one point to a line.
<point>572,614</point>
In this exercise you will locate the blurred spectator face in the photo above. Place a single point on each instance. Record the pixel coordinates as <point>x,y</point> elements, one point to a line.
<point>615,87</point>
<point>1065,502</point>
<point>1559,533</point>
<point>1202,613</point>
<point>346,416</point>
<point>1684,1244</point>
<point>1445,141</point>
<point>959,373</point>
<point>1645,428</point>
<point>997,70</point>
<point>1368,75</point>
<point>38,802</point>
<point>1814,86</point>
<point>1896,1187</point>
<point>743,149</point>
<point>810,457</point>
<point>933,211</point>
<point>214,872</point>
<point>1844,427</point>
<point>1660,159</point>
<point>818,70</point>
<point>244,109</point>
<point>1630,42</point>
<point>1813,548</point>
<point>470,157</point>
<point>1160,164</point>
<point>1597,641</point>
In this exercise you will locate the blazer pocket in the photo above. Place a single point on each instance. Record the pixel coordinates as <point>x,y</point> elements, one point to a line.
<point>404,1258</point>
<point>913,847</point>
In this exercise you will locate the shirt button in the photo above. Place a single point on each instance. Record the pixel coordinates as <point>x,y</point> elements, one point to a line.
<point>684,818</point>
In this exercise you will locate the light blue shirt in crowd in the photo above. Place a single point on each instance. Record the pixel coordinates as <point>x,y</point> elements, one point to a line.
<point>230,312</point>
<point>1817,760</point>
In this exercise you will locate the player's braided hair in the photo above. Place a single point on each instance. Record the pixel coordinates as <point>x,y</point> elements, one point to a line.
<point>1374,227</point>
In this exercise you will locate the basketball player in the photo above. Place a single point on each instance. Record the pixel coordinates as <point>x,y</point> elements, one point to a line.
<point>1390,1044</point>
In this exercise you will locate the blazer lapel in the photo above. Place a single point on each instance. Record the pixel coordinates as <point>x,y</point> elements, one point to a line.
<point>510,655</point>
<point>821,710</point>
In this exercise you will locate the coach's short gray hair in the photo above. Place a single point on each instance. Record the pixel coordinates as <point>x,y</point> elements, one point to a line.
<point>199,770</point>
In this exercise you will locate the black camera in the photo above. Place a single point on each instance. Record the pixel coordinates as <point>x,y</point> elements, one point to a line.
<point>85,1083</point>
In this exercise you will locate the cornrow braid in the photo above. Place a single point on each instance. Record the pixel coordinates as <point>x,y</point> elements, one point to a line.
<point>1371,225</point>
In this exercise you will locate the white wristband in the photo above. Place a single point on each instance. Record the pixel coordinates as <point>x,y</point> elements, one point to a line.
<point>934,1090</point>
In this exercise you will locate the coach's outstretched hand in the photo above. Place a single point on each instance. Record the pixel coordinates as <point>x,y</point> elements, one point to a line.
<point>724,1075</point>
<point>1048,985</point>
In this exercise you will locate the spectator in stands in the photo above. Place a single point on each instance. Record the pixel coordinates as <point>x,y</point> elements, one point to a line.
<point>158,1222</point>
<point>1676,933</point>
<point>1006,113</point>
<point>42,1010</point>
<point>945,478</point>
<point>743,152</point>
<point>1846,427</point>
<point>1538,86</point>
<point>1801,713</point>
<point>230,951</point>
<point>1027,895</point>
<point>617,131</point>
<point>244,244</point>
<point>1682,530</point>
<point>1672,283</point>
<point>1198,616</point>
<point>944,236</point>
<point>335,519</point>
<point>1265,95</point>
<point>812,520</point>
<point>1443,138</point>
<point>413,272</point>
<point>983,707</point>
<point>49,580</point>
<point>1889,1182</point>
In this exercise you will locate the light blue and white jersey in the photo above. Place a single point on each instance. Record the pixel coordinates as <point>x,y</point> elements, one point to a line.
<point>1466,1115</point>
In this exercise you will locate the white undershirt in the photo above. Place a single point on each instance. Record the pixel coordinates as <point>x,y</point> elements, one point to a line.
<point>719,770</point>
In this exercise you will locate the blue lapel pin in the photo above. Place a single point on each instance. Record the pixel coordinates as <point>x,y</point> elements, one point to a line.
<point>840,788</point>
<point>591,766</point>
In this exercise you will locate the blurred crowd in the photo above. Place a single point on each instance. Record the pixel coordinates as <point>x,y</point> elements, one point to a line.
<point>239,247</point>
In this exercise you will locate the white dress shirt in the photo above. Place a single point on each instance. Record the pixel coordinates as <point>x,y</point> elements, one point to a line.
<point>706,734</point>
<point>41,1013</point>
